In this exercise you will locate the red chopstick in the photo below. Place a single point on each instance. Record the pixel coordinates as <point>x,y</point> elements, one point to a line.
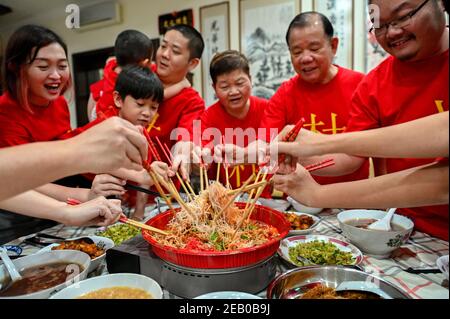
<point>320,165</point>
<point>291,136</point>
<point>73,202</point>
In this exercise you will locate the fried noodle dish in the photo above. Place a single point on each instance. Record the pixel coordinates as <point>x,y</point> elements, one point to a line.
<point>210,229</point>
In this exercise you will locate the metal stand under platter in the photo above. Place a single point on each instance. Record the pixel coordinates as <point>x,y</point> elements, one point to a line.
<point>136,256</point>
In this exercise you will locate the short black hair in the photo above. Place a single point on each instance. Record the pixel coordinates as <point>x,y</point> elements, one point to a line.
<point>226,62</point>
<point>139,82</point>
<point>196,44</point>
<point>132,47</point>
<point>303,20</point>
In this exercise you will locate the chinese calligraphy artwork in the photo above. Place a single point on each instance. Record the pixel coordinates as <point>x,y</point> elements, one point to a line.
<point>166,21</point>
<point>374,52</point>
<point>214,26</point>
<point>340,13</point>
<point>263,26</point>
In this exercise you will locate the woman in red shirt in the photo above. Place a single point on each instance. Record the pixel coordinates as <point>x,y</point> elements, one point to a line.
<point>236,112</point>
<point>32,109</point>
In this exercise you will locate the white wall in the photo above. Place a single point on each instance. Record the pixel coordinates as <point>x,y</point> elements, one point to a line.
<point>143,15</point>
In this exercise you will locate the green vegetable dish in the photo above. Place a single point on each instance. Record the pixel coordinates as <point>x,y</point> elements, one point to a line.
<point>320,253</point>
<point>120,232</point>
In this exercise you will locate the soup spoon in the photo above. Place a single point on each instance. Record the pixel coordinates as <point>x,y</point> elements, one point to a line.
<point>13,272</point>
<point>362,286</point>
<point>384,223</point>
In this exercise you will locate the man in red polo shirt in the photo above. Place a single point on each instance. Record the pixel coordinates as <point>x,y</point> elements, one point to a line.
<point>178,54</point>
<point>410,84</point>
<point>321,91</point>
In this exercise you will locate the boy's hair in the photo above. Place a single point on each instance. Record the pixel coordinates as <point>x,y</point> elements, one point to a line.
<point>139,82</point>
<point>196,44</point>
<point>304,20</point>
<point>226,62</point>
<point>21,50</point>
<point>132,47</point>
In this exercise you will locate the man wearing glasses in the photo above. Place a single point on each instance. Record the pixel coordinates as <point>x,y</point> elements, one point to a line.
<point>412,83</point>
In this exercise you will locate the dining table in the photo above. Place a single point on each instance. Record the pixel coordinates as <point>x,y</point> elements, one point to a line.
<point>411,268</point>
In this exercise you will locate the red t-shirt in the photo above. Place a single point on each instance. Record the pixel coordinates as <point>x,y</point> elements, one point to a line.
<point>217,117</point>
<point>397,92</point>
<point>177,115</point>
<point>105,102</point>
<point>18,126</point>
<point>324,107</point>
<point>96,89</point>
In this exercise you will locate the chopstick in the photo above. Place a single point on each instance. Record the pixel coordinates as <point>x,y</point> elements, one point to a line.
<point>140,189</point>
<point>291,136</point>
<point>326,163</point>
<point>124,219</point>
<point>131,222</point>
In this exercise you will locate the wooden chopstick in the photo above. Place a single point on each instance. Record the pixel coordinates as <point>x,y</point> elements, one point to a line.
<point>239,190</point>
<point>135,223</point>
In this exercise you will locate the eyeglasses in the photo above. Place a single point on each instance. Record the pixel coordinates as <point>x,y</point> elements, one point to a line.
<point>398,23</point>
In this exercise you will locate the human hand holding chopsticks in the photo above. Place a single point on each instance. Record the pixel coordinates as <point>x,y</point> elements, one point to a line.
<point>99,211</point>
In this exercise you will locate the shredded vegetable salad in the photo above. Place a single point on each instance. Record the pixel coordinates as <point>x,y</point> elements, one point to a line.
<point>320,253</point>
<point>210,229</point>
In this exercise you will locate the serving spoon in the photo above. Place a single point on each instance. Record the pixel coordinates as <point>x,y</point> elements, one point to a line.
<point>362,286</point>
<point>384,223</point>
<point>13,272</point>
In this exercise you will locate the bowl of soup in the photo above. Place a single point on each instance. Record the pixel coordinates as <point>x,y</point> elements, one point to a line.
<point>376,243</point>
<point>44,274</point>
<point>113,286</point>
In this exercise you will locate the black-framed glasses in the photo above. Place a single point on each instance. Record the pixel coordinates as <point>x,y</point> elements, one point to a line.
<point>398,23</point>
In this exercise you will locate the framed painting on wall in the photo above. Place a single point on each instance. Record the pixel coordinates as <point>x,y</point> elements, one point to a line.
<point>263,26</point>
<point>375,54</point>
<point>215,28</point>
<point>340,14</point>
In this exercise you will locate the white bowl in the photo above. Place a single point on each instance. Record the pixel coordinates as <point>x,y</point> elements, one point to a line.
<point>108,281</point>
<point>102,242</point>
<point>70,256</point>
<point>302,208</point>
<point>377,243</point>
<point>227,295</point>
<point>277,204</point>
<point>442,263</point>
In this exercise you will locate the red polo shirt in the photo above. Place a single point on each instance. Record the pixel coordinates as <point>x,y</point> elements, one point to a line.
<point>325,108</point>
<point>217,117</point>
<point>397,92</point>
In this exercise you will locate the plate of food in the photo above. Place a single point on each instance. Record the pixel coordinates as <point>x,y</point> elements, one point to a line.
<point>307,250</point>
<point>301,223</point>
<point>119,232</point>
<point>94,246</point>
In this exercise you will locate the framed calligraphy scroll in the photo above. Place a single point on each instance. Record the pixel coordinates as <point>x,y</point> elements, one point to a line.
<point>340,13</point>
<point>215,29</point>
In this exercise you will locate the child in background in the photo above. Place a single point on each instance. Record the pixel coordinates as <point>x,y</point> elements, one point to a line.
<point>132,47</point>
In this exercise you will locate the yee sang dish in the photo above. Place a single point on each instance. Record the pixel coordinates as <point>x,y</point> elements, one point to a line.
<point>211,229</point>
<point>39,278</point>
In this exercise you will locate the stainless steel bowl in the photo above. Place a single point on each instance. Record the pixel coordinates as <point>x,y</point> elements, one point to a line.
<point>293,283</point>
